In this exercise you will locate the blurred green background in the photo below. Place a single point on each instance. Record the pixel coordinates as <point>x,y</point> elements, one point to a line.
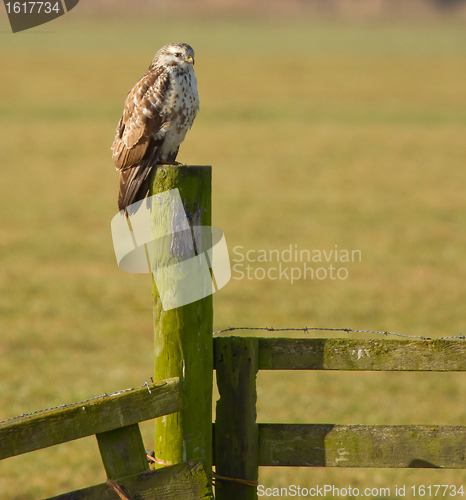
<point>321,131</point>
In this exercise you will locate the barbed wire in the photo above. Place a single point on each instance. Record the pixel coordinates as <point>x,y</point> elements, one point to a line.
<point>66,405</point>
<point>307,329</point>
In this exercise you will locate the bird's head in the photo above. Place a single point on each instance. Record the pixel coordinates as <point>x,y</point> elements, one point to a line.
<point>179,55</point>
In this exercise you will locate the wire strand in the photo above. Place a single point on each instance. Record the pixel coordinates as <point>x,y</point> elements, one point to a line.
<point>307,329</point>
<point>215,476</point>
<point>66,405</point>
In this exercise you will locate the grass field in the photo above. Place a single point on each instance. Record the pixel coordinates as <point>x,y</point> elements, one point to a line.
<point>322,135</point>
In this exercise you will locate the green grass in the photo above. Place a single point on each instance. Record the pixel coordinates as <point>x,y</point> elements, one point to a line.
<point>319,133</point>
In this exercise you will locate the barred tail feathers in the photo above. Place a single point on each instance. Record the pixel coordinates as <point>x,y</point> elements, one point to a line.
<point>134,184</point>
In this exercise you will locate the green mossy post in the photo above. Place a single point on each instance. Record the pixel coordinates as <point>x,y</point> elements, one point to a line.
<point>183,336</point>
<point>236,430</point>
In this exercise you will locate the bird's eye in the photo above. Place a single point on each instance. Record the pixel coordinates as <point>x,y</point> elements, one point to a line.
<point>177,54</point>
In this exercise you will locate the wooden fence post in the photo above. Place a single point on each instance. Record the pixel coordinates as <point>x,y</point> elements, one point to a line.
<point>236,430</point>
<point>183,335</point>
<point>122,451</point>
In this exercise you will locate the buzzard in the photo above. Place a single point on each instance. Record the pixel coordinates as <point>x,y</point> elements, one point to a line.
<point>159,110</point>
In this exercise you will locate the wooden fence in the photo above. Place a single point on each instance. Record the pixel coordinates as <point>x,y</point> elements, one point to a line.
<point>114,419</point>
<point>241,445</point>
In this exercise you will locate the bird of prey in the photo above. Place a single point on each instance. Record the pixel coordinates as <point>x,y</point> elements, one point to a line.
<point>159,110</point>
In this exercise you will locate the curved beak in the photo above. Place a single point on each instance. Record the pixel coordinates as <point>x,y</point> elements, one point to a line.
<point>190,60</point>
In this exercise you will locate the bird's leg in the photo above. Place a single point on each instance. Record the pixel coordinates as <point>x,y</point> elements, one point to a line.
<point>173,163</point>
<point>167,162</point>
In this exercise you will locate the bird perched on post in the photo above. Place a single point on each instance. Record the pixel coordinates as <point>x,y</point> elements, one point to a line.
<point>159,110</point>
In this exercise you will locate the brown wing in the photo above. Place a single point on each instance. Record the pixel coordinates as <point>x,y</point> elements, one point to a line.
<point>135,150</point>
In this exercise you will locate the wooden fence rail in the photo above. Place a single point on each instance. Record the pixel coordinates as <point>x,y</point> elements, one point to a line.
<point>397,446</point>
<point>114,419</point>
<point>96,416</point>
<point>346,354</point>
<point>241,445</point>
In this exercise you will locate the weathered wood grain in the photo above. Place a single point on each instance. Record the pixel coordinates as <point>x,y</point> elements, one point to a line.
<point>75,421</point>
<point>236,431</point>
<point>347,354</point>
<point>122,451</point>
<point>183,343</point>
<point>314,445</point>
<point>187,481</point>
